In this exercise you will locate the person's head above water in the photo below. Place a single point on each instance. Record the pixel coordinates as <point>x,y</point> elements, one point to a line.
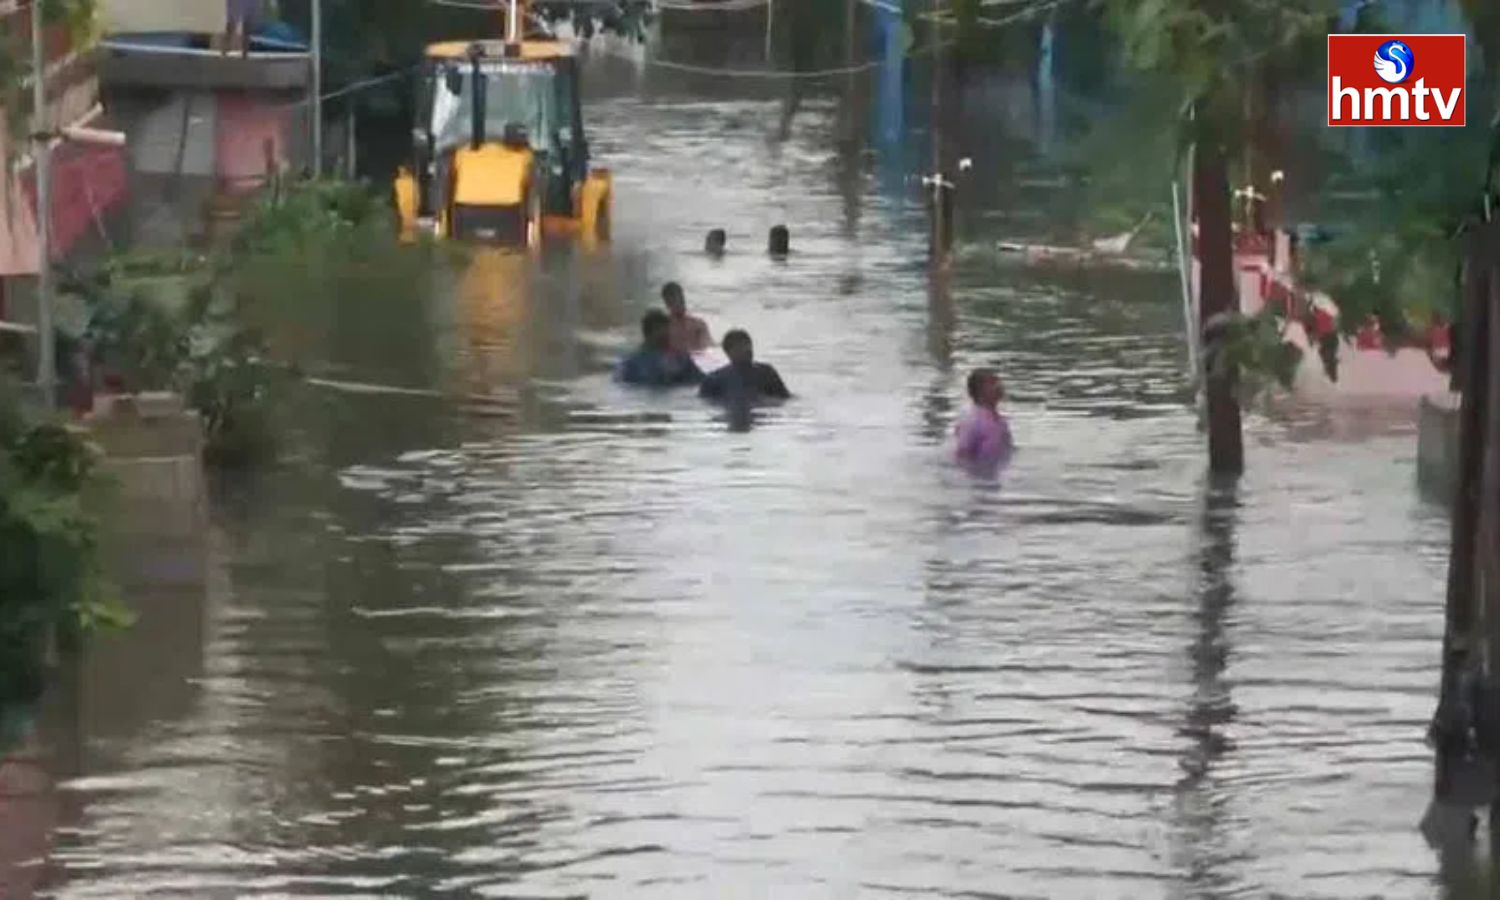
<point>985,388</point>
<point>779,242</point>
<point>714,243</point>
<point>656,331</point>
<point>738,347</point>
<point>673,298</point>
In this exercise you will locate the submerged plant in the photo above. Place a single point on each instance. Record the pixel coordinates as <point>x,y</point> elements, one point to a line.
<point>231,386</point>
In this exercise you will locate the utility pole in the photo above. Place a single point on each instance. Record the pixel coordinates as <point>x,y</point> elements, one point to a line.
<point>850,21</point>
<point>851,17</point>
<point>41,149</point>
<point>1046,83</point>
<point>317,88</point>
<point>770,23</point>
<point>351,140</point>
<point>1217,301</point>
<point>942,188</point>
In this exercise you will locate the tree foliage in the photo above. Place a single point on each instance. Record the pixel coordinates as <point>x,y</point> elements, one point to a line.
<point>1214,51</point>
<point>80,19</point>
<point>1398,262</point>
<point>1253,354</point>
<point>1484,16</point>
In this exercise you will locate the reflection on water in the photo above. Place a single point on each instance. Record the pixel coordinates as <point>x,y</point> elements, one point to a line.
<point>1210,710</point>
<point>540,635</point>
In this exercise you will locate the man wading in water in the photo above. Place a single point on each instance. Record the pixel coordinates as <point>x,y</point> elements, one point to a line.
<point>744,380</point>
<point>984,439</point>
<point>655,364</point>
<point>689,334</point>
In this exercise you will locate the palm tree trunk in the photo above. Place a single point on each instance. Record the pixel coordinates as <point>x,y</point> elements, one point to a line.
<point>1226,446</point>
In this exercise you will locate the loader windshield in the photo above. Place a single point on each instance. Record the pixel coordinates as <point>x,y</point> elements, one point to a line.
<point>521,93</point>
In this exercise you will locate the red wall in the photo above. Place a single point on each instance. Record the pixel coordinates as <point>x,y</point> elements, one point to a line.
<point>88,180</point>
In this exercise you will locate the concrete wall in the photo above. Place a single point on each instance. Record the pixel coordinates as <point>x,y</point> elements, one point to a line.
<point>187,144</point>
<point>197,16</point>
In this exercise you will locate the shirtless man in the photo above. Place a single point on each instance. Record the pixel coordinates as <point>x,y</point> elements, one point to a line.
<point>689,333</point>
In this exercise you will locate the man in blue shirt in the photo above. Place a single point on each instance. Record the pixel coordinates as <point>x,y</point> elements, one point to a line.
<point>654,364</point>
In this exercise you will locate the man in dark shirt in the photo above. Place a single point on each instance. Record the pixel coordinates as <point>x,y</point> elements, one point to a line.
<point>655,364</point>
<point>744,379</point>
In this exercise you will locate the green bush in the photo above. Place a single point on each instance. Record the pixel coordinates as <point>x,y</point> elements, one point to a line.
<point>136,340</point>
<point>308,214</point>
<point>227,330</point>
<point>50,580</point>
<point>311,269</point>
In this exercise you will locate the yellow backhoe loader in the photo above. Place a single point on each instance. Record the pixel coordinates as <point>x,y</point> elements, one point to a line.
<point>499,151</point>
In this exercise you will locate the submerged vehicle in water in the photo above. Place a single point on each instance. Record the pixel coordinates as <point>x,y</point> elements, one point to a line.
<point>499,150</point>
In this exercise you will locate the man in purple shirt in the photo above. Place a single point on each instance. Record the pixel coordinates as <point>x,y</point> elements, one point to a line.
<point>984,440</point>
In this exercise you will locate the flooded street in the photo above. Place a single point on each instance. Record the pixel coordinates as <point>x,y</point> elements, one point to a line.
<point>519,632</point>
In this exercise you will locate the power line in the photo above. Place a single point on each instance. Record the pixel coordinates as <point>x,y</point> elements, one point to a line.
<point>722,6</point>
<point>1037,6</point>
<point>1023,14</point>
<point>786,74</point>
<point>468,4</point>
<point>354,87</point>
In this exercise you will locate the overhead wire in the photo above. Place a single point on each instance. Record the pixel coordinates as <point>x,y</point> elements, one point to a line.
<point>721,6</point>
<point>353,87</point>
<point>794,74</point>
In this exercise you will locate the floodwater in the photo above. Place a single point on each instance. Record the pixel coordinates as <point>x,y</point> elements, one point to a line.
<point>533,635</point>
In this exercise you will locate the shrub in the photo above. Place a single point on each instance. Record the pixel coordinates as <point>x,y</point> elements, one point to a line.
<point>50,580</point>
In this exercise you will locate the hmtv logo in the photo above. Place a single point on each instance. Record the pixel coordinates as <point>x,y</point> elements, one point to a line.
<point>1389,79</point>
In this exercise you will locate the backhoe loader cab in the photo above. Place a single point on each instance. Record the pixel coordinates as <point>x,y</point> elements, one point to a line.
<point>499,149</point>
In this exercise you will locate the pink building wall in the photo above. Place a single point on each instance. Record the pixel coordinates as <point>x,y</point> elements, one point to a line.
<point>246,123</point>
